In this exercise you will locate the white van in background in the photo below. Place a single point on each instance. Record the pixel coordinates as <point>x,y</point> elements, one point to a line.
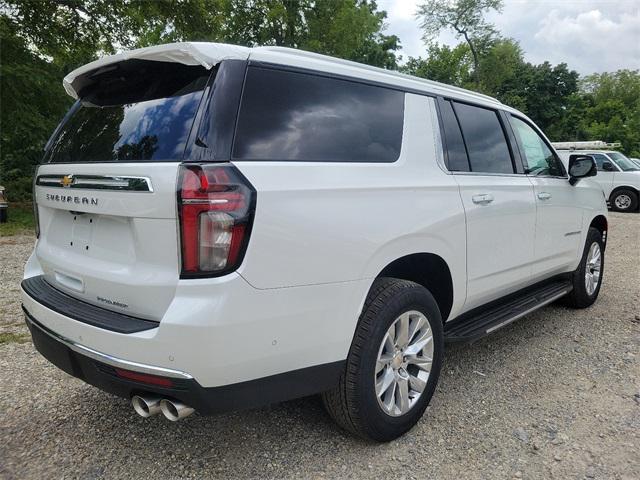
<point>618,176</point>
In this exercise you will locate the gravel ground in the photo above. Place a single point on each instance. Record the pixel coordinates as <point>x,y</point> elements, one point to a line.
<point>555,395</point>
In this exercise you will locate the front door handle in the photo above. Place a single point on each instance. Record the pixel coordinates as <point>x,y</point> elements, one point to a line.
<point>482,198</point>
<point>544,196</point>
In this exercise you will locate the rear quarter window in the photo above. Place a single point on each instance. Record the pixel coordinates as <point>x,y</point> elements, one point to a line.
<point>291,116</point>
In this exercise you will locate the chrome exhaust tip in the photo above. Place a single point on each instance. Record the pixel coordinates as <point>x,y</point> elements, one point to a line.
<point>174,410</point>
<point>146,406</point>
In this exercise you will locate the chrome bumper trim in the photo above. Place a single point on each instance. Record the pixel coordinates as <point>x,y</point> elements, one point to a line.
<point>103,357</point>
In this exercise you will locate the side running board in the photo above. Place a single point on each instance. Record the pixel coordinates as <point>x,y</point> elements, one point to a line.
<point>485,320</point>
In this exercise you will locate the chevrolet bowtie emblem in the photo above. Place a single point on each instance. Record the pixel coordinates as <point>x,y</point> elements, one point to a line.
<point>66,181</point>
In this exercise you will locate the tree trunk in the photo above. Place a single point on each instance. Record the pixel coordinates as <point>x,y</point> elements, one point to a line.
<point>474,54</point>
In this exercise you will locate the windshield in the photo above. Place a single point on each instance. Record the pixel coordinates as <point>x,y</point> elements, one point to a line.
<point>137,110</point>
<point>623,162</point>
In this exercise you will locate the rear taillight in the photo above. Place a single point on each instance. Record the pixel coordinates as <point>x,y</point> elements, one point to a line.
<point>216,205</point>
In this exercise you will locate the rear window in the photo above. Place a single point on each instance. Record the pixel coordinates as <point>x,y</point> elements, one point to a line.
<point>287,116</point>
<point>136,110</point>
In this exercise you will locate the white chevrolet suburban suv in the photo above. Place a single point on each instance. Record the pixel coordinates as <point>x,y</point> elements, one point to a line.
<point>223,227</point>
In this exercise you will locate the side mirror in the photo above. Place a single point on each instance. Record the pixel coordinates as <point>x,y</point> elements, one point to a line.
<point>608,167</point>
<point>581,166</point>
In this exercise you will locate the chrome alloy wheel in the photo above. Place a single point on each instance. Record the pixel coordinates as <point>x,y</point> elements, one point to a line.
<point>592,270</point>
<point>404,363</point>
<point>622,202</point>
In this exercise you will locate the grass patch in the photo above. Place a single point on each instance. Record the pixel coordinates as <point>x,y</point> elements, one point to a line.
<point>20,220</point>
<point>13,338</point>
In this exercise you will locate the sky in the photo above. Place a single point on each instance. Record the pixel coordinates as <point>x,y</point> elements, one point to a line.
<point>589,35</point>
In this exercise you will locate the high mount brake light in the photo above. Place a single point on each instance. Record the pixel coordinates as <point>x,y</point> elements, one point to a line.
<point>216,205</point>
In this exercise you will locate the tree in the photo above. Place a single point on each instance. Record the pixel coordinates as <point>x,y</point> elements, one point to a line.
<point>612,109</point>
<point>541,91</point>
<point>499,64</point>
<point>33,101</point>
<point>465,18</point>
<point>348,29</point>
<point>443,64</point>
<point>72,31</point>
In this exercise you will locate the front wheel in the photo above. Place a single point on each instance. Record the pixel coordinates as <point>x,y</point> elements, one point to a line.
<point>393,364</point>
<point>587,279</point>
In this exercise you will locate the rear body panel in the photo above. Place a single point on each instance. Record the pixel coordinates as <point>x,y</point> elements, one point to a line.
<point>116,249</point>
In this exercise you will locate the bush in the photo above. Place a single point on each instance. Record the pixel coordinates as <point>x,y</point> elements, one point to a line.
<point>18,187</point>
<point>20,220</point>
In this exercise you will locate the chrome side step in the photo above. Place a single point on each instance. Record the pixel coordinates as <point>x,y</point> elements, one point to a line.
<point>485,320</point>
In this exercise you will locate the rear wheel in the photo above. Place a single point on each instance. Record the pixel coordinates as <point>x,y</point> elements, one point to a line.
<point>624,201</point>
<point>393,364</point>
<point>587,279</point>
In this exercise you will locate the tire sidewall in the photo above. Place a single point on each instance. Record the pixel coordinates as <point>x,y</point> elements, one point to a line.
<point>381,425</point>
<point>632,206</point>
<point>593,236</point>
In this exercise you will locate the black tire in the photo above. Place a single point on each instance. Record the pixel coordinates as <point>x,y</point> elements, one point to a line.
<point>579,296</point>
<point>353,404</point>
<point>630,203</point>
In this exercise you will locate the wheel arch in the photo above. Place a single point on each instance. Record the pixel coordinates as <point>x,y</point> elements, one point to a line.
<point>600,223</point>
<point>426,269</point>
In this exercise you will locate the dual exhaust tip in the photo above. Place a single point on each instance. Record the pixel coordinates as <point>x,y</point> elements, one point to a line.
<point>147,406</point>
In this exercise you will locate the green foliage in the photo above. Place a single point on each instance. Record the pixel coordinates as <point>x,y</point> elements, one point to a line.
<point>465,18</point>
<point>542,91</point>
<point>611,109</point>
<point>498,65</point>
<point>20,220</point>
<point>33,102</point>
<point>443,64</point>
<point>350,29</point>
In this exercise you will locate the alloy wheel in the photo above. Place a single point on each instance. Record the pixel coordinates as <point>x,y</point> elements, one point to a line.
<point>404,363</point>
<point>593,267</point>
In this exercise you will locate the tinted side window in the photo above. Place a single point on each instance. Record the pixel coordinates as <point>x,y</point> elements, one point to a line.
<point>485,139</point>
<point>303,117</point>
<point>538,157</point>
<point>456,152</point>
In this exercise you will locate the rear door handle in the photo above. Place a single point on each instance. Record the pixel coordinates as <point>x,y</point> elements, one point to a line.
<point>482,198</point>
<point>544,196</point>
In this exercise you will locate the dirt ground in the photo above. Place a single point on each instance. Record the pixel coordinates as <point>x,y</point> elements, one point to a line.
<point>555,395</point>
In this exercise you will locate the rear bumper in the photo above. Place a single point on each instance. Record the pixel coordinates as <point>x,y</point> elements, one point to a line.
<point>36,287</point>
<point>99,369</point>
<point>221,331</point>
